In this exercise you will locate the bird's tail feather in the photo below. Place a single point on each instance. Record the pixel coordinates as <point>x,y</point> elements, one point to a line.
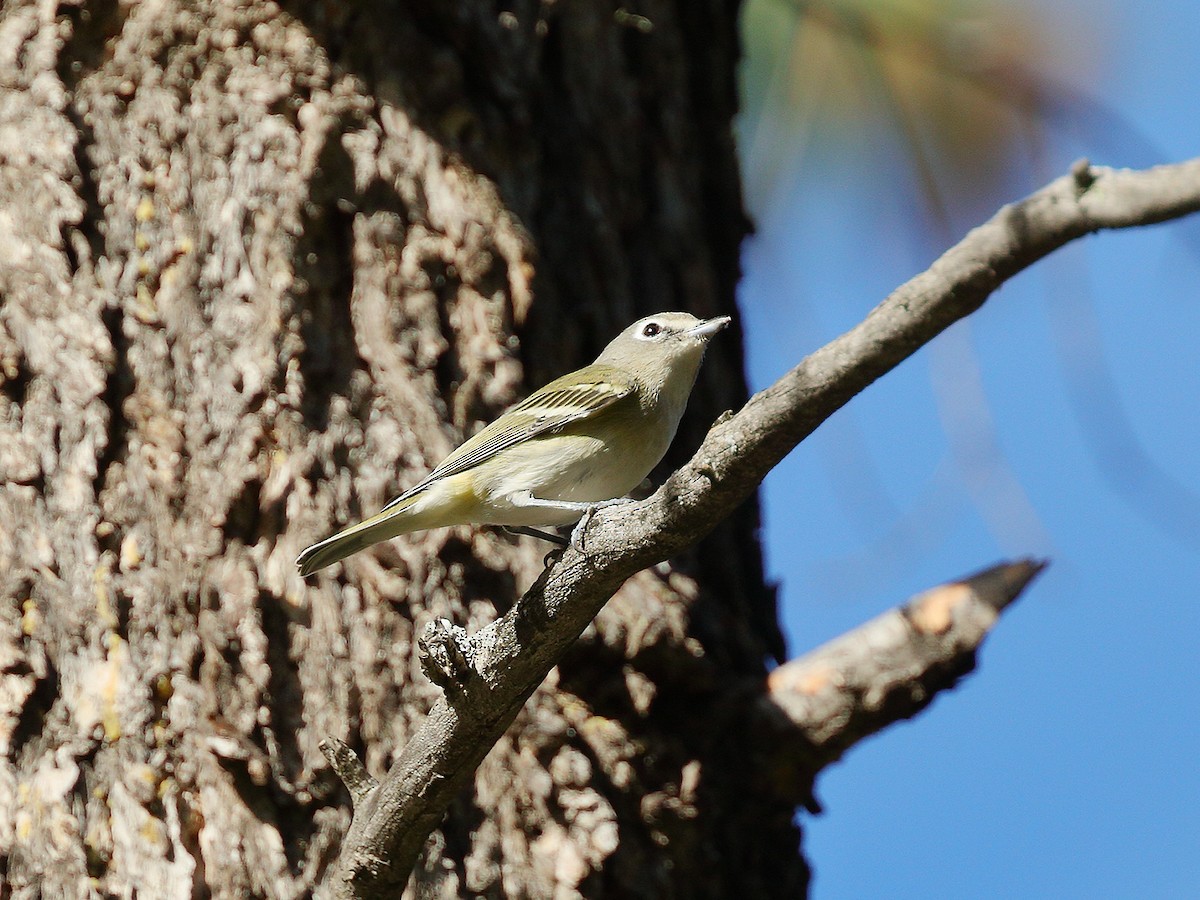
<point>381,526</point>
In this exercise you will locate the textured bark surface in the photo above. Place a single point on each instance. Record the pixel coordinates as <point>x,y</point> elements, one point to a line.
<point>261,267</point>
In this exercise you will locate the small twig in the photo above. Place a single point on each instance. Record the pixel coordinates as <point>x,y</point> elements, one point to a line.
<point>1081,171</point>
<point>349,769</point>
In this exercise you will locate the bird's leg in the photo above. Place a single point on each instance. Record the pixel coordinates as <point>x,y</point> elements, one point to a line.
<point>526,500</point>
<point>533,532</point>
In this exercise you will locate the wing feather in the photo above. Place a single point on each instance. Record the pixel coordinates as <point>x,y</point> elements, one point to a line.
<point>566,400</point>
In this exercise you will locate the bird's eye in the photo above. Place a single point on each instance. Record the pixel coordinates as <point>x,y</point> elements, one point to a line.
<point>652,329</point>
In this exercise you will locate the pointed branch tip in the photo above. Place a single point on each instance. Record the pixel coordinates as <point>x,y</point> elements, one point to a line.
<point>1001,584</point>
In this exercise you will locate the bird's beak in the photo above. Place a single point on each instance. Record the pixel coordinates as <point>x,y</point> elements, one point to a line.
<point>709,327</point>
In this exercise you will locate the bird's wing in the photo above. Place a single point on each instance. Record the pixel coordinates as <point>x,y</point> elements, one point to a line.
<point>572,398</point>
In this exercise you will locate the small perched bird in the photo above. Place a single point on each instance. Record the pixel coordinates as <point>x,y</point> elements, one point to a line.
<point>583,441</point>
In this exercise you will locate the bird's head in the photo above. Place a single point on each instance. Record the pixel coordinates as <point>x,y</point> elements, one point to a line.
<point>662,341</point>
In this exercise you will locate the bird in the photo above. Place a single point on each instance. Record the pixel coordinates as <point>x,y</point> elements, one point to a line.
<point>582,442</point>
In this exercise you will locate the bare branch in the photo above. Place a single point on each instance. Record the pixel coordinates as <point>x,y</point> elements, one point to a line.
<point>887,669</point>
<point>349,768</point>
<point>515,653</point>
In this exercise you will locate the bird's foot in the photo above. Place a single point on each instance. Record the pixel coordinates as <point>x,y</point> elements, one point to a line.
<point>577,534</point>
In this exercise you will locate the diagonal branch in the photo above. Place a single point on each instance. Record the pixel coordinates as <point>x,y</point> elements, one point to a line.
<point>513,655</point>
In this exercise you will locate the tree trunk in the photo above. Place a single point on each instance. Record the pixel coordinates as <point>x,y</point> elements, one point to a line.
<point>261,268</point>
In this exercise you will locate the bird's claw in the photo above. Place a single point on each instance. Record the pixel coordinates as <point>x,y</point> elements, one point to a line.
<point>581,527</point>
<point>578,532</point>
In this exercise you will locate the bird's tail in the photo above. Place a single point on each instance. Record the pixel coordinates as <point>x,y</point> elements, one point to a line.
<point>390,522</point>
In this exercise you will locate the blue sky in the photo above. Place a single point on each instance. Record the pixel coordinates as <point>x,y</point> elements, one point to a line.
<point>1068,765</point>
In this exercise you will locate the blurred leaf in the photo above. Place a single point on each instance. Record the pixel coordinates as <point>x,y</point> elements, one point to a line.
<point>966,85</point>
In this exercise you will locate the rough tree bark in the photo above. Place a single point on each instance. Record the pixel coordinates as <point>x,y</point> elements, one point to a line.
<point>261,266</point>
